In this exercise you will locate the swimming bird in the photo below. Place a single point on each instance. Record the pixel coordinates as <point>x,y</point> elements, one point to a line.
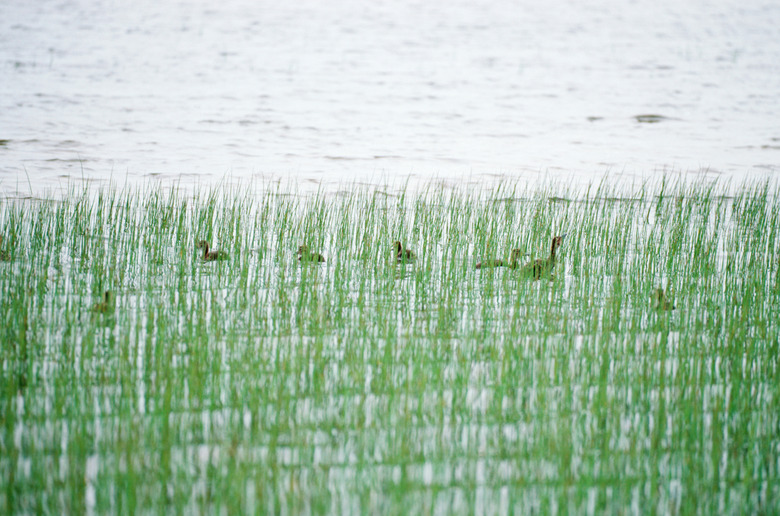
<point>304,255</point>
<point>105,306</point>
<point>490,263</point>
<point>543,267</point>
<point>514,259</point>
<point>401,254</point>
<point>661,303</point>
<point>210,256</point>
<point>5,256</point>
<point>512,263</point>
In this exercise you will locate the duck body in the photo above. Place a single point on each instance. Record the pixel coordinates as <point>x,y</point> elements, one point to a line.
<point>543,266</point>
<point>512,263</point>
<point>401,254</point>
<point>211,256</point>
<point>487,264</point>
<point>514,259</point>
<point>106,305</point>
<point>5,256</point>
<point>304,255</point>
<point>661,302</point>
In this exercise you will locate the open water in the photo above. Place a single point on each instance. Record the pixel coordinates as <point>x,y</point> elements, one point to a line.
<point>322,94</point>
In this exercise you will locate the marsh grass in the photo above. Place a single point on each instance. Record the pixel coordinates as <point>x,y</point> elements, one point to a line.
<point>259,384</point>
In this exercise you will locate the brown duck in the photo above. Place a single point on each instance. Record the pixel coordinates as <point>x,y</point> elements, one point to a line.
<point>5,256</point>
<point>211,256</point>
<point>304,255</point>
<point>490,263</point>
<point>106,305</point>
<point>541,266</point>
<point>401,254</point>
<point>661,302</point>
<point>514,257</point>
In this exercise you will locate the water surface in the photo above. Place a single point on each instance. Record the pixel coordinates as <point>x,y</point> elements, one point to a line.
<point>340,92</point>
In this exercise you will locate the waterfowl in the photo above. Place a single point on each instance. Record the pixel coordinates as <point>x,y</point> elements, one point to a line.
<point>5,256</point>
<point>401,254</point>
<point>490,263</point>
<point>543,267</point>
<point>210,256</point>
<point>661,303</point>
<point>106,305</point>
<point>514,259</point>
<point>304,255</point>
<point>512,263</point>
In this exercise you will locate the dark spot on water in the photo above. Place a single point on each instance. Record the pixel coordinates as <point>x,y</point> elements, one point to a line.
<point>650,119</point>
<point>594,118</point>
<point>3,143</point>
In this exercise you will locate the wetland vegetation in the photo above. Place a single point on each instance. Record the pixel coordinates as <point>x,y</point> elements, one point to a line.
<point>138,377</point>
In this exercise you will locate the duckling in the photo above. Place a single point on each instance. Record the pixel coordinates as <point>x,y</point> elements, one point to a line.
<point>304,255</point>
<point>490,263</point>
<point>5,256</point>
<point>661,303</point>
<point>512,263</point>
<point>541,267</point>
<point>210,256</point>
<point>401,254</point>
<point>105,306</point>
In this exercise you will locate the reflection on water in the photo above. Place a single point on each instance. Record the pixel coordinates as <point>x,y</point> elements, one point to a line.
<point>353,92</point>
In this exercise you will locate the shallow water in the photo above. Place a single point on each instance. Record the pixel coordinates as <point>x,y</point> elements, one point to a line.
<point>326,93</point>
<point>258,384</point>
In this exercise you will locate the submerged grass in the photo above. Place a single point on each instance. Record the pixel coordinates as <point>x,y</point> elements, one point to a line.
<point>258,384</point>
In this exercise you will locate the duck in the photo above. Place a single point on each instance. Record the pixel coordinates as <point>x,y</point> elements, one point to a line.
<point>661,303</point>
<point>210,256</point>
<point>304,255</point>
<point>541,266</point>
<point>106,305</point>
<point>514,258</point>
<point>490,263</point>
<point>401,254</point>
<point>5,256</point>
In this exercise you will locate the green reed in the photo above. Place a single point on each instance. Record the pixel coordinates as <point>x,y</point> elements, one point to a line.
<point>259,384</point>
